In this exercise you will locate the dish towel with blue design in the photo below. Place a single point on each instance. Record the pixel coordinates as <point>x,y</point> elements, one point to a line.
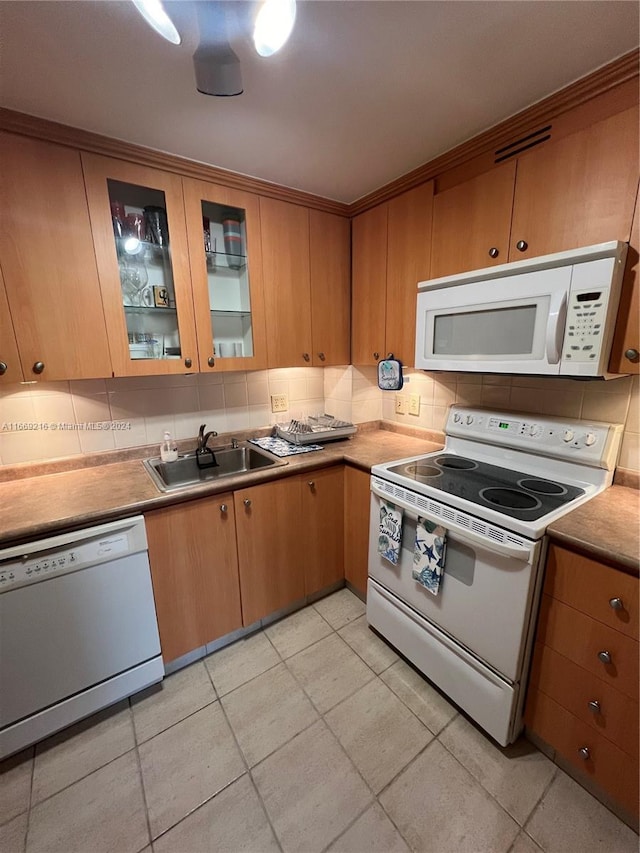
<point>390,535</point>
<point>429,555</point>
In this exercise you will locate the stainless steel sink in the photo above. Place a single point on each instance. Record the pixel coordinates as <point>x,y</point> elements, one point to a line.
<point>184,472</point>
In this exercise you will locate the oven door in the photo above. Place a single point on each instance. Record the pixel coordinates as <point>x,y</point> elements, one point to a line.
<point>487,591</point>
<point>514,324</point>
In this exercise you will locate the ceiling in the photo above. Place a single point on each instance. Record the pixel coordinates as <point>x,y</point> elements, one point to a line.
<point>363,92</point>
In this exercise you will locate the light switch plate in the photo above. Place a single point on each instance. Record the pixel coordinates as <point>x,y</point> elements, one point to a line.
<point>414,404</point>
<point>401,404</point>
<point>279,402</point>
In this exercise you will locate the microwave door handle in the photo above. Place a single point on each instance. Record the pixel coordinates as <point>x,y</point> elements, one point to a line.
<point>556,326</point>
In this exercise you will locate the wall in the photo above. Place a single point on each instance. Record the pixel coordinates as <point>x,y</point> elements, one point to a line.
<point>235,401</point>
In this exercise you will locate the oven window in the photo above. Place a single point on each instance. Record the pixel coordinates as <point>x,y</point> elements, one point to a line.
<point>498,331</point>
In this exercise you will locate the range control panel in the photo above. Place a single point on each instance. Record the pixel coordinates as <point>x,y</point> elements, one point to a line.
<point>593,443</point>
<point>38,566</point>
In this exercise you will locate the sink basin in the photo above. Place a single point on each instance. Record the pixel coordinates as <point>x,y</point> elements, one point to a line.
<point>184,472</point>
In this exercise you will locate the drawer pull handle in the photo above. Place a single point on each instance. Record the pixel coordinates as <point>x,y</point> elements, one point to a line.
<point>584,753</point>
<point>594,706</point>
<point>605,657</point>
<point>223,507</point>
<point>311,484</point>
<point>247,502</point>
<point>616,604</point>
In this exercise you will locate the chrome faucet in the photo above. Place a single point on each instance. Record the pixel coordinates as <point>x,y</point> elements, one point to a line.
<point>205,457</point>
<point>203,438</point>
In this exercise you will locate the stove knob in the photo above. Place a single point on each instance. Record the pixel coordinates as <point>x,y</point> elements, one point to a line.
<point>469,419</point>
<point>568,435</point>
<point>590,438</point>
<point>535,430</point>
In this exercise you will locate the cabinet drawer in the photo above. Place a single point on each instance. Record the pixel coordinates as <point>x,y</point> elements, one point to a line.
<point>581,639</point>
<point>606,594</point>
<point>574,688</point>
<point>606,765</point>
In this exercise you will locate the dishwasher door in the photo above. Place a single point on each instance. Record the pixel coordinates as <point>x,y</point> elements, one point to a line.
<point>78,628</point>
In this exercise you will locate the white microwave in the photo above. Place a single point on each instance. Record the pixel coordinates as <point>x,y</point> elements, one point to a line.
<point>552,315</point>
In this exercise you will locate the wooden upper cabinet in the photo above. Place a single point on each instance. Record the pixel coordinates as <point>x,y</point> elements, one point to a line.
<point>287,290</point>
<point>10,370</point>
<point>139,232</point>
<point>228,292</point>
<point>408,262</point>
<point>330,269</point>
<point>323,519</point>
<point>369,285</point>
<point>48,262</point>
<point>579,190</point>
<point>472,222</point>
<point>194,568</point>
<point>625,352</point>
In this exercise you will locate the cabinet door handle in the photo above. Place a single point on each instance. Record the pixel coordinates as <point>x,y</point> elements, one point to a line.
<point>187,362</point>
<point>223,507</point>
<point>306,356</point>
<point>321,356</point>
<point>605,657</point>
<point>376,355</point>
<point>616,604</point>
<point>3,368</point>
<point>594,706</point>
<point>38,367</point>
<point>247,502</point>
<point>522,245</point>
<point>584,753</point>
<point>494,252</point>
<point>631,354</point>
<point>211,361</point>
<point>311,484</point>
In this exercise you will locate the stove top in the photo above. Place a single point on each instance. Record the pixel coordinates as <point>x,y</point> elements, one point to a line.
<point>513,493</point>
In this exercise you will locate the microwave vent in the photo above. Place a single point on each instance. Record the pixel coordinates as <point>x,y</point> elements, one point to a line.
<point>523,144</point>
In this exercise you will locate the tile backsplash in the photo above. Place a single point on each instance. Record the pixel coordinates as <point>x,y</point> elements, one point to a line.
<point>93,415</point>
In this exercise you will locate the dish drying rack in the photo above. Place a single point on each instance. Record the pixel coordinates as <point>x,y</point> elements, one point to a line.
<point>314,429</point>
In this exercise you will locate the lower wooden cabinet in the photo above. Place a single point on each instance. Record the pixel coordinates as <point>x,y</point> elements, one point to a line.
<point>583,691</point>
<point>357,499</point>
<point>323,528</point>
<point>194,568</point>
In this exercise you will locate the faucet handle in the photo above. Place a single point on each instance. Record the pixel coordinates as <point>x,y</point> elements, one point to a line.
<point>234,443</point>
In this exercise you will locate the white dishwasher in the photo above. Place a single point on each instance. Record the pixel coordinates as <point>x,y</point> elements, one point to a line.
<point>78,628</point>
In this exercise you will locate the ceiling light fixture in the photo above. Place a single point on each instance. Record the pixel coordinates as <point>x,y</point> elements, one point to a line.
<point>156,17</point>
<point>216,65</point>
<point>273,26</point>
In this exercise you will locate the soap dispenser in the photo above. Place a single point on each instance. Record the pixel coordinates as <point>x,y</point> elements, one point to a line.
<point>168,449</point>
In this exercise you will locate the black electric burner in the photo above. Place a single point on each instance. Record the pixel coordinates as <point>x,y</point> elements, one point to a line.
<point>509,492</point>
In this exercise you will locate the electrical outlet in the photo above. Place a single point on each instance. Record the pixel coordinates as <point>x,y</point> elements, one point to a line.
<point>401,404</point>
<point>414,404</point>
<point>279,403</point>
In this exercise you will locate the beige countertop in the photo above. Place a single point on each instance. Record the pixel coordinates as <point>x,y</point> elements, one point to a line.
<point>38,506</point>
<point>606,528</point>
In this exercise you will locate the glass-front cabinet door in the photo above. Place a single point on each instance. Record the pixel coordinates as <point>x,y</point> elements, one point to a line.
<point>137,216</point>
<point>226,268</point>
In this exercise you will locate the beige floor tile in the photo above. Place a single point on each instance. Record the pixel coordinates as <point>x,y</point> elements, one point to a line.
<point>416,693</point>
<point>524,844</point>
<point>378,732</point>
<point>516,776</point>
<point>298,631</point>
<point>15,784</point>
<point>438,806</point>
<point>268,712</point>
<point>340,608</point>
<point>311,790</point>
<point>13,835</point>
<point>186,764</point>
<point>81,749</point>
<point>240,662</point>
<point>179,695</point>
<point>373,651</point>
<point>329,672</point>
<point>103,812</point>
<point>232,821</point>
<point>373,832</point>
<point>570,820</point>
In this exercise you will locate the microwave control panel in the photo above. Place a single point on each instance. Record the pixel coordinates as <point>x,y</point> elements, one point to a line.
<point>586,317</point>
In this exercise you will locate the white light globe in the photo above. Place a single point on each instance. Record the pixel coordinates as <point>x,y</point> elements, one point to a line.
<point>155,16</point>
<point>274,24</point>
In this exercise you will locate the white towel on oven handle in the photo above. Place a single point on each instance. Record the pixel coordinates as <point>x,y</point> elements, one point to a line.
<point>429,554</point>
<point>390,532</point>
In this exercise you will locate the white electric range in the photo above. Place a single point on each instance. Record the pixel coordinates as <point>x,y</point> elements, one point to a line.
<point>500,480</point>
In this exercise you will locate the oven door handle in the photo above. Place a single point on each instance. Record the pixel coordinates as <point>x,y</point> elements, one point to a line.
<point>463,535</point>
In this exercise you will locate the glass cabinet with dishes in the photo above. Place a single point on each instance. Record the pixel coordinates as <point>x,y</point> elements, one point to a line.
<point>137,216</point>
<point>226,271</point>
